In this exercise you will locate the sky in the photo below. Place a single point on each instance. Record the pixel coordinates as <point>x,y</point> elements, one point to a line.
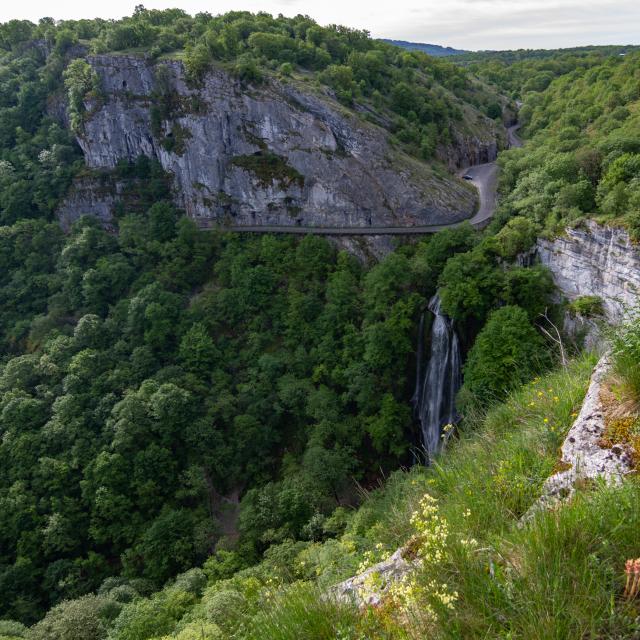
<point>464,24</point>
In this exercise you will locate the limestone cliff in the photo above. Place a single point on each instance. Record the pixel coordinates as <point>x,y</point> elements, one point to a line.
<point>583,455</point>
<point>477,142</point>
<point>598,261</point>
<point>282,153</point>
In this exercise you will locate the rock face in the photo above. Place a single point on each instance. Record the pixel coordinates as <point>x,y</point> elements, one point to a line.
<point>595,261</point>
<point>368,587</point>
<point>586,333</point>
<point>581,451</point>
<point>90,196</point>
<point>275,154</point>
<point>468,150</point>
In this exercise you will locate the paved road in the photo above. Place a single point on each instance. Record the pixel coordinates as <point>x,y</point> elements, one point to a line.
<point>333,231</point>
<point>484,178</point>
<point>512,136</point>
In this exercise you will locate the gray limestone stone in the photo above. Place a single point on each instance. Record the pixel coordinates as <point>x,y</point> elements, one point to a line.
<point>595,261</point>
<point>581,450</point>
<point>350,173</point>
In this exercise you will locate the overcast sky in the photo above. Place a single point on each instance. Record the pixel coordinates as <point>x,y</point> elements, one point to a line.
<point>465,24</point>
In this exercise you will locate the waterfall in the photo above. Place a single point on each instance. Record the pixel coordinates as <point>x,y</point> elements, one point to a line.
<point>434,397</point>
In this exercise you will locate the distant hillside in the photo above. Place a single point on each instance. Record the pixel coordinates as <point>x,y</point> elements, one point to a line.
<point>432,49</point>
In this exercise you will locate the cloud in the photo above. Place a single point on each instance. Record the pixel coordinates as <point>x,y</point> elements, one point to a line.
<point>497,24</point>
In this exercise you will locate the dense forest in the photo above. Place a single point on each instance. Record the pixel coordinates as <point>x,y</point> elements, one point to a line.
<point>163,389</point>
<point>201,432</point>
<point>584,153</point>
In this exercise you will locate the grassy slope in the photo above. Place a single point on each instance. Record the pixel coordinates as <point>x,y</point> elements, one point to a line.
<point>559,577</point>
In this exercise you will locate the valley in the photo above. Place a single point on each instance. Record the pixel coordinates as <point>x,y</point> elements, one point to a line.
<point>306,335</point>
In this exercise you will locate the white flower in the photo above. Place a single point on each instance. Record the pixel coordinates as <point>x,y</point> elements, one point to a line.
<point>6,169</point>
<point>46,156</point>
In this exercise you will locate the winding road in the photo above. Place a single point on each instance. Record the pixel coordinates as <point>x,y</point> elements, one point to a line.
<point>483,176</point>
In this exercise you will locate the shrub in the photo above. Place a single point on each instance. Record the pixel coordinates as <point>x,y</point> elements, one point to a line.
<point>586,306</point>
<point>80,81</point>
<point>192,581</point>
<point>269,168</point>
<point>506,353</point>
<point>82,619</point>
<point>146,618</point>
<point>517,236</point>
<point>300,611</point>
<point>197,631</point>
<point>224,607</point>
<point>12,629</point>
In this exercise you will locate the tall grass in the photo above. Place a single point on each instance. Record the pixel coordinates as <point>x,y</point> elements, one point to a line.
<point>302,612</point>
<point>498,467</point>
<point>626,354</point>
<point>559,578</point>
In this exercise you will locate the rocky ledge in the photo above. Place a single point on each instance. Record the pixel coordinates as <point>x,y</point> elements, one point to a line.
<point>582,452</point>
<point>370,586</point>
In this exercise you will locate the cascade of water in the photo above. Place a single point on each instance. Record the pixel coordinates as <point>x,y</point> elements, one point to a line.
<point>434,400</point>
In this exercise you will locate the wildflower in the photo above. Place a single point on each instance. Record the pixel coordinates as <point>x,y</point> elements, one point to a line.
<point>556,399</point>
<point>546,420</point>
<point>540,394</point>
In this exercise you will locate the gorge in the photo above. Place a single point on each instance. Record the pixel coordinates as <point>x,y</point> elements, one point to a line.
<point>214,421</point>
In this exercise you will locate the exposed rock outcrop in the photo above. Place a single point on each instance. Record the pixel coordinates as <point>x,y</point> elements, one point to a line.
<point>88,196</point>
<point>586,333</point>
<point>582,452</point>
<point>595,261</point>
<point>281,153</point>
<point>468,149</point>
<point>369,587</point>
